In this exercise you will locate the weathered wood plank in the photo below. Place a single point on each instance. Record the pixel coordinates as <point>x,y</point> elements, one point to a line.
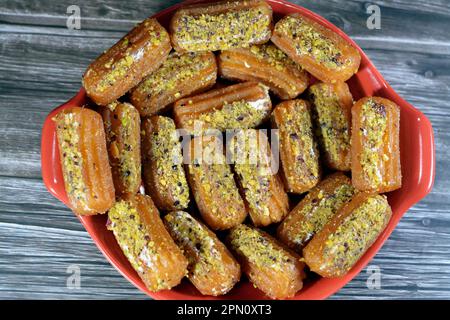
<point>423,23</point>
<point>35,261</point>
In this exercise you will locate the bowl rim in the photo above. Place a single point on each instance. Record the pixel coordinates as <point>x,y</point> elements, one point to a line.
<point>424,186</point>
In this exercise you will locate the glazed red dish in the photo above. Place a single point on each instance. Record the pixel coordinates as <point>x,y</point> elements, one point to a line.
<point>417,162</point>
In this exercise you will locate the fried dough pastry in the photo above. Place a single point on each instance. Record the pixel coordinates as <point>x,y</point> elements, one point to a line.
<point>212,268</point>
<point>375,145</point>
<point>84,160</point>
<point>125,64</point>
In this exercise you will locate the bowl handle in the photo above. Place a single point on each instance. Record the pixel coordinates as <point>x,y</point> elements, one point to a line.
<point>419,148</point>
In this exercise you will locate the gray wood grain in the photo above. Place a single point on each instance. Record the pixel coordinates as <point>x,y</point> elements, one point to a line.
<point>41,63</point>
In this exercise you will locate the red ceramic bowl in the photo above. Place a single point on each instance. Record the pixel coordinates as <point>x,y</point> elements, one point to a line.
<point>417,158</point>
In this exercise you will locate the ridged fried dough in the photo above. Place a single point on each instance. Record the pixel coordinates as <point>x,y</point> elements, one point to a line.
<point>260,184</point>
<point>221,25</point>
<point>299,155</point>
<point>123,126</point>
<point>312,213</point>
<point>240,106</point>
<point>164,176</point>
<point>331,105</point>
<point>213,185</point>
<point>84,160</point>
<point>322,52</point>
<point>141,234</point>
<point>212,268</point>
<point>273,269</point>
<point>125,64</point>
<point>179,76</point>
<point>266,64</point>
<point>335,249</point>
<point>376,145</point>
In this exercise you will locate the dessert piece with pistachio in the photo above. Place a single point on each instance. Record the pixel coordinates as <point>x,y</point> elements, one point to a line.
<point>299,155</point>
<point>125,64</point>
<point>312,213</point>
<point>335,249</point>
<point>322,52</point>
<point>145,242</point>
<point>123,138</point>
<point>376,145</point>
<point>163,172</point>
<point>331,108</point>
<point>266,64</point>
<point>181,75</point>
<point>259,182</point>
<point>84,160</point>
<point>213,185</point>
<point>212,268</point>
<point>240,106</point>
<point>272,268</point>
<point>221,25</point>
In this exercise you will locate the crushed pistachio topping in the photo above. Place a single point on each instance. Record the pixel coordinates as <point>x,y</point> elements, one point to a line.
<point>373,128</point>
<point>156,37</point>
<point>72,160</point>
<point>317,212</point>
<point>177,69</point>
<point>165,152</point>
<point>133,238</point>
<point>333,127</point>
<point>360,228</point>
<point>310,41</point>
<point>231,29</point>
<point>274,56</point>
<point>258,249</point>
<point>296,136</point>
<point>240,114</point>
<point>116,70</point>
<point>113,105</point>
<point>188,233</point>
<point>216,179</point>
<point>128,167</point>
<point>253,167</point>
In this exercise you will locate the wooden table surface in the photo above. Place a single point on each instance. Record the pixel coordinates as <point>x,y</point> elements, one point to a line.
<point>41,63</point>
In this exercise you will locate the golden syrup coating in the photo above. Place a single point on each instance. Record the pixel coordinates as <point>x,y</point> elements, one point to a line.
<point>322,52</point>
<point>271,268</point>
<point>312,213</point>
<point>331,105</point>
<point>239,106</point>
<point>341,243</point>
<point>84,162</point>
<point>145,242</point>
<point>310,41</point>
<point>298,148</point>
<point>212,268</point>
<point>164,175</point>
<point>266,64</point>
<point>374,122</point>
<point>122,126</point>
<point>221,25</point>
<point>125,64</point>
<point>375,145</point>
<point>262,188</point>
<point>72,161</point>
<point>213,184</point>
<point>274,56</point>
<point>179,76</point>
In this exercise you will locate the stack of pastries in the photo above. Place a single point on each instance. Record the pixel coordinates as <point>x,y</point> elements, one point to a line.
<point>228,66</point>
